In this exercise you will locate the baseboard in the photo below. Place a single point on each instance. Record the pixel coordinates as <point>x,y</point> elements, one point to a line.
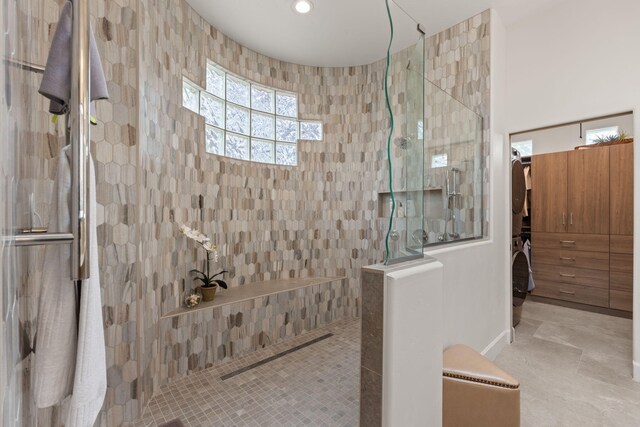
<point>495,347</point>
<point>636,371</point>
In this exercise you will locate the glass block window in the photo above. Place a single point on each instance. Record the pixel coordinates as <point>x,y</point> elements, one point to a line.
<point>190,95</point>
<point>214,140</point>
<point>262,151</point>
<point>286,105</point>
<point>248,121</point>
<point>311,131</point>
<point>237,146</point>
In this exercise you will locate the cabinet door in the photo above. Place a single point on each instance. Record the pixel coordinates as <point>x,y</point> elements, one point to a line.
<point>549,192</point>
<point>588,190</point>
<point>621,194</point>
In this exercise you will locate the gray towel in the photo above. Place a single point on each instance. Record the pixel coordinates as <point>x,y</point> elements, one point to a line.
<point>56,81</point>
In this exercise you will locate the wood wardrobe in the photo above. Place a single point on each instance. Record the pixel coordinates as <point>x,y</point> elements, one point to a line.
<point>582,226</point>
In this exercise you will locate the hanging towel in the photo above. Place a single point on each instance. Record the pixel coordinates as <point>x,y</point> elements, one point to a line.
<point>70,360</point>
<point>527,183</point>
<point>56,80</point>
<point>56,334</point>
<point>90,382</point>
<point>526,248</point>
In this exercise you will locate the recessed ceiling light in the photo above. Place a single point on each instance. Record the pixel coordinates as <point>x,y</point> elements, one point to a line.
<point>302,6</point>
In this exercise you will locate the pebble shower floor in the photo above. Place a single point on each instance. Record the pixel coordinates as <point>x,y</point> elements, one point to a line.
<point>317,385</point>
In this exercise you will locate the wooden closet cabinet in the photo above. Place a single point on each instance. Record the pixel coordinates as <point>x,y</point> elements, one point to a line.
<point>621,194</point>
<point>570,192</point>
<point>582,226</point>
<point>621,226</point>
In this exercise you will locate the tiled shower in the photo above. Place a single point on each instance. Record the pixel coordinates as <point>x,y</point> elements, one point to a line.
<point>319,218</point>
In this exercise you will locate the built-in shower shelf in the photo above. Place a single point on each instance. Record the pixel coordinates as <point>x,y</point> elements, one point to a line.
<point>253,290</point>
<point>384,198</point>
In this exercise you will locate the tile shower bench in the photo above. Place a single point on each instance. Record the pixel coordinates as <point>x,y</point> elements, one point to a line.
<point>243,319</point>
<point>252,291</point>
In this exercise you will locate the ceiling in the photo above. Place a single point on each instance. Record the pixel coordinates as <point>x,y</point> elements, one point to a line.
<point>343,32</point>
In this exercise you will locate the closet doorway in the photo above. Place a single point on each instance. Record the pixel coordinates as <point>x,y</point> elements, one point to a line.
<point>576,224</point>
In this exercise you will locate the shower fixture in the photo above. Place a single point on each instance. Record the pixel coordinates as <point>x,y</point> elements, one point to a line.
<point>421,237</point>
<point>453,192</point>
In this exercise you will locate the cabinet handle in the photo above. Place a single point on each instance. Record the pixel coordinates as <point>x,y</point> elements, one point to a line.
<point>566,292</point>
<point>571,219</point>
<point>572,276</point>
<point>564,216</point>
<point>563,258</point>
<point>567,242</point>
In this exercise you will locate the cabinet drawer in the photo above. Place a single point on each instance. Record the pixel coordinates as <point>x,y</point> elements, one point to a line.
<point>571,241</point>
<point>621,262</point>
<point>575,293</point>
<point>571,275</point>
<point>622,244</point>
<point>570,258</point>
<point>621,300</point>
<point>622,281</point>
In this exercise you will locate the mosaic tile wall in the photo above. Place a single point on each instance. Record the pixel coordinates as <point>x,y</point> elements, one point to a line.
<point>209,337</point>
<point>268,221</point>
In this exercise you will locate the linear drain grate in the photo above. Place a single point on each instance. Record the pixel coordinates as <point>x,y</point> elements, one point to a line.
<point>274,357</point>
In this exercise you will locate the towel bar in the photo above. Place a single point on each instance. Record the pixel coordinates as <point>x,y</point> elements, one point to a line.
<point>24,65</point>
<point>79,135</point>
<point>37,239</point>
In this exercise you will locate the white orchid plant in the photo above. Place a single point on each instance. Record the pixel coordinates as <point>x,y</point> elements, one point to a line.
<point>208,280</point>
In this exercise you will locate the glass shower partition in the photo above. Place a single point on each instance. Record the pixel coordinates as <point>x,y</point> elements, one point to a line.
<point>454,169</point>
<point>406,230</point>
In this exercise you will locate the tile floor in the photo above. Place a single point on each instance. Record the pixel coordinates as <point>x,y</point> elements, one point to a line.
<point>574,368</point>
<point>317,385</point>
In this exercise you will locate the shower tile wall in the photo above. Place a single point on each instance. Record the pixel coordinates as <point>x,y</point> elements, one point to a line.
<point>319,218</point>
<point>269,222</point>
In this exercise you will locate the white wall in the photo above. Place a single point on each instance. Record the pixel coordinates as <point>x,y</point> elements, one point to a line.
<point>564,138</point>
<point>412,345</point>
<point>477,290</point>
<point>578,59</point>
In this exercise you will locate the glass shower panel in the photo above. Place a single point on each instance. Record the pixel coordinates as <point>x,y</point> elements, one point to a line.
<point>414,130</point>
<point>30,146</point>
<point>402,205</point>
<point>453,169</point>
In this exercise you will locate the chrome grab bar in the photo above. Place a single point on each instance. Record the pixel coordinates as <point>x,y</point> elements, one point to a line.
<point>80,141</point>
<point>36,239</point>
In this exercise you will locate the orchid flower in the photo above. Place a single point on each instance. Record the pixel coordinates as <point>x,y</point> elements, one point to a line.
<point>206,278</point>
